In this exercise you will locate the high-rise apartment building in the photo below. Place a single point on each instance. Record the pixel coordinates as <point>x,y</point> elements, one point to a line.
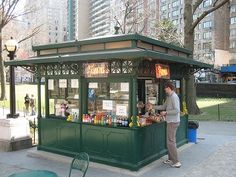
<point>211,34</point>
<point>72,19</point>
<point>106,14</point>
<point>232,38</point>
<point>77,19</point>
<point>99,17</point>
<point>50,15</point>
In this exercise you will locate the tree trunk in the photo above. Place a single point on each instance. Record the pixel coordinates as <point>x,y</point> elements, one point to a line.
<point>2,72</point>
<point>191,96</point>
<point>189,44</point>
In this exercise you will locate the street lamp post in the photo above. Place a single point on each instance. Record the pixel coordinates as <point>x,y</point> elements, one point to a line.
<point>11,46</point>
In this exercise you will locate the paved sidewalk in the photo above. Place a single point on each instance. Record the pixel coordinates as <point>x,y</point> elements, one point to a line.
<point>213,155</point>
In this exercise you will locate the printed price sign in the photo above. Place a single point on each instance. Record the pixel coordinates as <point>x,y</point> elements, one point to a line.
<point>62,83</point>
<point>107,104</point>
<point>50,84</point>
<point>74,83</point>
<point>121,110</point>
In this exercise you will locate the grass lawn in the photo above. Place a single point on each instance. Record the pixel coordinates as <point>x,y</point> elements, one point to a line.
<point>212,108</point>
<point>216,109</point>
<point>21,91</point>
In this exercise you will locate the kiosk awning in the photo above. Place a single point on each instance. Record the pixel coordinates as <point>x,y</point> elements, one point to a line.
<point>133,53</point>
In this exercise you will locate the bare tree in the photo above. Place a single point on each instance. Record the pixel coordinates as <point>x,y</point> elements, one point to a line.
<point>8,13</point>
<point>190,7</point>
<point>167,32</point>
<point>130,18</point>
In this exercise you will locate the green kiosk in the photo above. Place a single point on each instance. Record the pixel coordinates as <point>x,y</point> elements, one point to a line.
<point>94,94</point>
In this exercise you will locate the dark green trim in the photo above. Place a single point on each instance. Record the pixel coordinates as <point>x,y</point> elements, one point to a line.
<point>81,97</point>
<point>39,97</point>
<point>134,95</point>
<point>46,98</point>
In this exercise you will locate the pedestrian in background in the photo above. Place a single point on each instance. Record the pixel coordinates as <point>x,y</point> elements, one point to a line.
<point>32,105</point>
<point>171,112</point>
<point>27,102</point>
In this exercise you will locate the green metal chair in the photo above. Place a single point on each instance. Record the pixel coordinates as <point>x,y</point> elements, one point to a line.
<point>80,162</point>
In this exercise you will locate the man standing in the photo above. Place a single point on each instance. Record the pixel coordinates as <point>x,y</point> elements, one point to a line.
<point>171,112</point>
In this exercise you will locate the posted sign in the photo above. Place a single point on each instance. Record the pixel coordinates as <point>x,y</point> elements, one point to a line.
<point>162,71</point>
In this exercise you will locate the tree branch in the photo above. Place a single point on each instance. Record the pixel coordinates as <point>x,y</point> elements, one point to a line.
<point>117,21</point>
<point>196,5</point>
<point>34,32</point>
<point>205,13</point>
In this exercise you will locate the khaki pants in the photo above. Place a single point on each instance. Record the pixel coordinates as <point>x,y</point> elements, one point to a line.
<point>171,141</point>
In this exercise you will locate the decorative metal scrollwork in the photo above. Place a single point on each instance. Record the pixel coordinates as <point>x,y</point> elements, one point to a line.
<point>75,68</point>
<point>127,67</point>
<point>65,69</point>
<point>116,67</point>
<point>49,70</point>
<point>147,68</point>
<point>57,70</point>
<point>42,70</point>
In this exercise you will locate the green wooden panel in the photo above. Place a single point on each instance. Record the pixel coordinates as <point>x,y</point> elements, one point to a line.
<point>130,148</point>
<point>107,142</point>
<point>60,134</point>
<point>181,134</point>
<point>152,140</point>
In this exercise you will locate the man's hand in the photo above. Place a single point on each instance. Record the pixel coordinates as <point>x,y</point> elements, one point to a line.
<point>163,113</point>
<point>149,106</point>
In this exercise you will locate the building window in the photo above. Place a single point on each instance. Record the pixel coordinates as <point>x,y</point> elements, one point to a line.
<point>207,35</point>
<point>197,36</point>
<point>175,13</point>
<point>233,32</point>
<point>233,20</point>
<point>207,3</point>
<point>207,24</point>
<point>199,26</point>
<point>163,8</point>
<point>233,44</point>
<point>175,4</point>
<point>175,22</point>
<point>207,55</point>
<point>233,8</point>
<point>206,46</point>
<point>164,16</point>
<point>199,46</point>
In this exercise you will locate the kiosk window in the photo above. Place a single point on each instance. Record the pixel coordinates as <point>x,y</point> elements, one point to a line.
<point>63,97</point>
<point>108,99</point>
